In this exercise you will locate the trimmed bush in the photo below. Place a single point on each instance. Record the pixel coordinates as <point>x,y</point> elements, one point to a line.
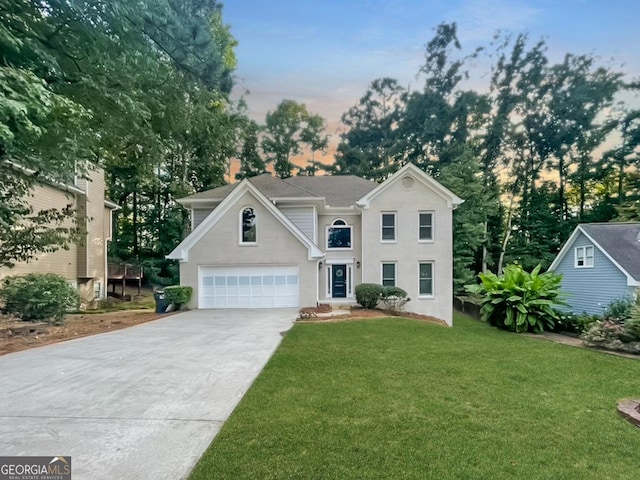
<point>519,301</point>
<point>369,294</point>
<point>178,295</point>
<point>394,298</point>
<point>38,296</point>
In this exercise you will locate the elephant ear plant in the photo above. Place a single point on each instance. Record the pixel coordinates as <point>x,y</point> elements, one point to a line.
<point>519,301</point>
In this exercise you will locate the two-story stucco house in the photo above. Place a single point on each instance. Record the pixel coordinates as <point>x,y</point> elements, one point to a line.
<point>84,264</point>
<point>599,263</point>
<point>267,242</point>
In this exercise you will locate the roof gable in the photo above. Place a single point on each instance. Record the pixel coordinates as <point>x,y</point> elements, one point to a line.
<point>619,242</point>
<point>181,252</point>
<point>451,198</point>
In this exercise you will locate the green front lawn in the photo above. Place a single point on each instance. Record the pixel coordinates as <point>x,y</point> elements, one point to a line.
<point>397,398</point>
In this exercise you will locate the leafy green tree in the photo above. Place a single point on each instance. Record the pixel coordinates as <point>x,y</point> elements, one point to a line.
<point>40,136</point>
<point>251,163</point>
<point>438,121</point>
<point>287,129</point>
<point>315,139</point>
<point>464,177</point>
<point>368,146</point>
<point>140,87</point>
<point>578,95</point>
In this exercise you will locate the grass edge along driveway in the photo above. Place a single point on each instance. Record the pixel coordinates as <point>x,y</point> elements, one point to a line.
<point>399,398</point>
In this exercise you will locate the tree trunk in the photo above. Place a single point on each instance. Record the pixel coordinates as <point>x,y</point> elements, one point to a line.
<point>507,236</point>
<point>136,248</point>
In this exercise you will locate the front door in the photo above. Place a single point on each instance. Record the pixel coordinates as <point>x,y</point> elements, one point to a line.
<point>339,281</point>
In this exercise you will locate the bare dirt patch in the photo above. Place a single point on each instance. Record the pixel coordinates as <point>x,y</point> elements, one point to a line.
<point>75,326</point>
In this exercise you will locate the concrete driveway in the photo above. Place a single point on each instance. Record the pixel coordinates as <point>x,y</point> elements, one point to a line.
<point>138,403</point>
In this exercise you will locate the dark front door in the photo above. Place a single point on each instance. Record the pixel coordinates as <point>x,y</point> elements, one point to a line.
<point>339,281</point>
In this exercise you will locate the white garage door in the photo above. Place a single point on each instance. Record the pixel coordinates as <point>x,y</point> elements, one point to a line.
<point>248,287</point>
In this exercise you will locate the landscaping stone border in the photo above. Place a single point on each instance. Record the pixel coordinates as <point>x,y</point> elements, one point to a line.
<point>630,411</point>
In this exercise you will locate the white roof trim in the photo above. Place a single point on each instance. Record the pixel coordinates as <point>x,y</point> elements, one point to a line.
<point>181,252</point>
<point>631,282</point>
<point>112,205</point>
<point>451,198</point>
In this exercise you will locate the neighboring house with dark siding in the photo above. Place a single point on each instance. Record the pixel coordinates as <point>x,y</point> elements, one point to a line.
<point>599,263</point>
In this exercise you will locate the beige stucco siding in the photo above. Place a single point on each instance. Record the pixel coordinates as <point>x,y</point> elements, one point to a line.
<point>407,251</point>
<point>276,245</point>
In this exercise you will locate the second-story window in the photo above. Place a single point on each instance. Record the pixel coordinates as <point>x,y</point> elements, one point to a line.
<point>388,222</point>
<point>248,226</point>
<point>425,228</point>
<point>584,257</point>
<point>339,235</point>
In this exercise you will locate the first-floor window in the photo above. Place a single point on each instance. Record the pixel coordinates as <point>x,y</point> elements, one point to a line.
<point>426,278</point>
<point>584,256</point>
<point>389,274</point>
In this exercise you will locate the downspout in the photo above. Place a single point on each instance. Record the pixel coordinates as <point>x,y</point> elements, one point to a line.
<point>318,266</point>
<point>362,249</point>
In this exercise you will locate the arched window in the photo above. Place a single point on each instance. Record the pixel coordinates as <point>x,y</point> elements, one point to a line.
<point>248,225</point>
<point>339,235</point>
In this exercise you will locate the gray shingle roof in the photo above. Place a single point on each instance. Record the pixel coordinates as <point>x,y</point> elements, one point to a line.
<point>621,241</point>
<point>338,190</point>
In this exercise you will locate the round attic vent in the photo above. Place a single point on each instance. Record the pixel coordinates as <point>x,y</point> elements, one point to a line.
<point>407,182</point>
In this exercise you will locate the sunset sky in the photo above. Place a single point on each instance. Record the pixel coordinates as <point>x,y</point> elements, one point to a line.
<point>325,53</point>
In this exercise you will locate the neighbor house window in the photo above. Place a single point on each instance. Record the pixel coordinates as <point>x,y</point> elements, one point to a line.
<point>426,279</point>
<point>425,228</point>
<point>388,221</point>
<point>339,235</point>
<point>248,225</point>
<point>584,256</point>
<point>389,274</point>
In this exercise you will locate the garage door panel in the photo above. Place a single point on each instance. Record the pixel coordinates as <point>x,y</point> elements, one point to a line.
<point>248,287</point>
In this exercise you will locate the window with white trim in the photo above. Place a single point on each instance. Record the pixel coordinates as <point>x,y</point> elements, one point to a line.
<point>388,274</point>
<point>584,256</point>
<point>339,235</point>
<point>248,229</point>
<point>426,279</point>
<point>425,226</point>
<point>388,227</point>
